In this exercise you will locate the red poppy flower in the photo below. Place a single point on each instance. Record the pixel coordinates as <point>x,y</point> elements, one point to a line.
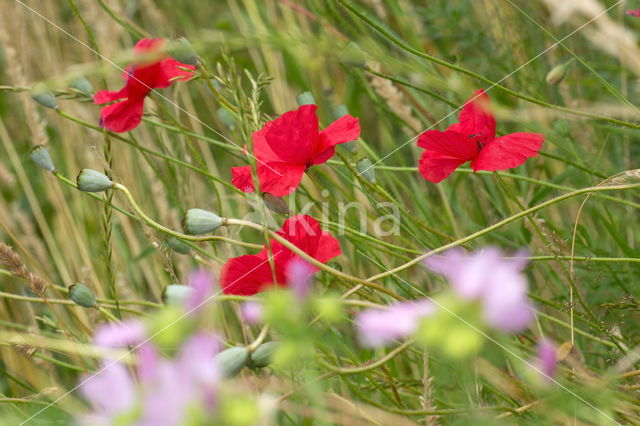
<point>287,146</point>
<point>250,274</point>
<point>140,79</point>
<point>473,139</point>
<point>633,12</point>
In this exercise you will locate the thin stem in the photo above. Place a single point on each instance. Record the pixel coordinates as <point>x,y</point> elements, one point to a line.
<point>499,225</point>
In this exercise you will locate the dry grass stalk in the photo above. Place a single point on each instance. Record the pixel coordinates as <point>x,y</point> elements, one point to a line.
<point>11,260</point>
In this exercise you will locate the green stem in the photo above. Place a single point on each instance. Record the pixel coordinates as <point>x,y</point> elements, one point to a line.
<point>347,4</point>
<point>499,225</point>
<point>371,366</point>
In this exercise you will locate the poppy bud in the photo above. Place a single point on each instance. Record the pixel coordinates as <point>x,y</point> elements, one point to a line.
<point>227,118</point>
<point>557,74</point>
<point>263,354</point>
<point>232,360</point>
<point>366,170</point>
<point>182,51</point>
<point>275,204</point>
<point>339,112</point>
<point>198,221</point>
<point>82,85</point>
<point>40,155</point>
<point>90,180</point>
<point>178,246</point>
<point>353,55</point>
<point>305,98</point>
<point>44,96</point>
<point>82,296</point>
<point>176,294</point>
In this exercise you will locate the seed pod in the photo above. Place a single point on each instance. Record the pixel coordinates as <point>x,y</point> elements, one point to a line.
<point>178,246</point>
<point>82,85</point>
<point>232,360</point>
<point>176,294</point>
<point>366,170</point>
<point>275,204</point>
<point>557,74</point>
<point>263,354</point>
<point>305,98</point>
<point>44,96</point>
<point>182,51</point>
<point>82,295</point>
<point>40,155</point>
<point>198,221</point>
<point>90,180</point>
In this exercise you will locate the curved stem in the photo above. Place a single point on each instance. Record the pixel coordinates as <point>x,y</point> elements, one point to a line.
<point>173,233</point>
<point>499,225</point>
<point>305,256</point>
<point>373,365</point>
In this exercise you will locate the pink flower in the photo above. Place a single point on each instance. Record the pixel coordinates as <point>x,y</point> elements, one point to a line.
<point>252,312</point>
<point>201,283</point>
<point>379,327</point>
<point>299,273</point>
<point>546,360</point>
<point>497,283</point>
<point>166,391</point>
<point>116,335</point>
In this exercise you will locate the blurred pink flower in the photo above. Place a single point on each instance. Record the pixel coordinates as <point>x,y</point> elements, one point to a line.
<point>546,359</point>
<point>252,312</point>
<point>201,283</point>
<point>380,327</point>
<point>299,274</point>
<point>126,333</point>
<point>166,390</point>
<point>496,282</point>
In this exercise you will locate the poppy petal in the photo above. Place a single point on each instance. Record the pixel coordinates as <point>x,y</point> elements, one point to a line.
<point>106,96</point>
<point>476,118</point>
<point>444,152</point>
<point>249,274</point>
<point>306,233</point>
<point>345,129</point>
<point>146,45</point>
<point>508,151</point>
<point>279,179</point>
<point>171,71</point>
<point>292,137</point>
<point>122,116</point>
<point>242,178</point>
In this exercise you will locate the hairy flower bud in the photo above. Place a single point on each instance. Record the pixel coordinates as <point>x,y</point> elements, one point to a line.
<point>182,51</point>
<point>90,180</point>
<point>176,294</point>
<point>366,169</point>
<point>198,221</point>
<point>82,295</point>
<point>44,96</point>
<point>275,204</point>
<point>82,85</point>
<point>305,98</point>
<point>40,155</point>
<point>263,355</point>
<point>557,74</point>
<point>178,246</point>
<point>232,360</point>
